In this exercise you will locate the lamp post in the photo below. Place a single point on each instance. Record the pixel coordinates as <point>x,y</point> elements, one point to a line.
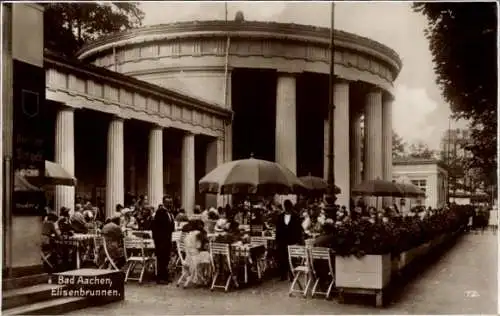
<point>331,198</point>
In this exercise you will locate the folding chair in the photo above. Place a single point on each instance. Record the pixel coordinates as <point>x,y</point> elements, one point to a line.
<point>181,256</point>
<point>136,254</point>
<point>108,262</point>
<point>262,261</point>
<point>322,254</point>
<point>301,254</point>
<point>176,237</point>
<point>222,251</point>
<point>46,255</point>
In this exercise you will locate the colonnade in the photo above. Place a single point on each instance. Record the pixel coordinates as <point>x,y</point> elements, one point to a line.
<point>115,177</point>
<point>377,138</point>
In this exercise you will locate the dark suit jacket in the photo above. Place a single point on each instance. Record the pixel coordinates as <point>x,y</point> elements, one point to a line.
<point>162,227</point>
<point>290,234</point>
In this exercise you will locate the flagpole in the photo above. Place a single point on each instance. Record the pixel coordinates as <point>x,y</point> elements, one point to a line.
<point>331,111</point>
<point>227,200</point>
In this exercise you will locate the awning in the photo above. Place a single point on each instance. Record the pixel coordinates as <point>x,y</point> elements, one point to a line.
<point>55,174</point>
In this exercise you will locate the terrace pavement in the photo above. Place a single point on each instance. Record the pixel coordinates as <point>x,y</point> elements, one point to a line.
<point>461,281</point>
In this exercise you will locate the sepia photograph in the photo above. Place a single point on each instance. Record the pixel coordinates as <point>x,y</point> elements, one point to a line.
<point>249,158</point>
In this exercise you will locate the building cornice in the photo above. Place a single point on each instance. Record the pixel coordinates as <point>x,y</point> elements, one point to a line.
<point>418,162</point>
<point>248,29</point>
<point>120,80</point>
<point>166,70</point>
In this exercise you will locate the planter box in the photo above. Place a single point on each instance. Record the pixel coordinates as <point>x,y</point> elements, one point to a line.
<point>367,272</point>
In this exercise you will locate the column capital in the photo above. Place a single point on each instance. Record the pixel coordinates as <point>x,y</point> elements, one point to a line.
<point>189,133</point>
<point>288,73</point>
<point>118,118</point>
<point>374,89</point>
<point>156,126</point>
<point>339,80</point>
<point>68,108</point>
<point>387,97</point>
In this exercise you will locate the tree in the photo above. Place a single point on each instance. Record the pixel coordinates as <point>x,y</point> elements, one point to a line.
<point>68,26</point>
<point>398,146</point>
<point>463,41</point>
<point>421,151</point>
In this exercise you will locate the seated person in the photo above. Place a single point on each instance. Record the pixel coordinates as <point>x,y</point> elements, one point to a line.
<point>77,221</point>
<point>50,229</point>
<point>145,218</point>
<point>181,216</point>
<point>88,215</point>
<point>63,222</point>
<point>113,236</point>
<point>221,223</point>
<point>128,220</point>
<point>211,220</point>
<point>233,233</point>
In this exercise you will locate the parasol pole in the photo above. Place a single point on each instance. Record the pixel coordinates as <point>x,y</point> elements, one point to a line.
<point>331,110</point>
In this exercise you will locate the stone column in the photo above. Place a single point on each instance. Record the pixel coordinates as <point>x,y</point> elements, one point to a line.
<point>286,138</point>
<point>188,174</point>
<point>355,144</point>
<point>286,131</point>
<point>115,169</point>
<point>373,137</point>
<point>214,158</point>
<point>65,156</point>
<point>341,134</point>
<point>155,166</point>
<point>387,143</point>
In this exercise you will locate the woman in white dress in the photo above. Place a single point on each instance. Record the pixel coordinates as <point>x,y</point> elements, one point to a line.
<point>197,257</point>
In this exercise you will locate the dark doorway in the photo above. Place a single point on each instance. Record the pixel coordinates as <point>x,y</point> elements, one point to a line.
<point>312,104</point>
<point>91,141</point>
<point>254,106</point>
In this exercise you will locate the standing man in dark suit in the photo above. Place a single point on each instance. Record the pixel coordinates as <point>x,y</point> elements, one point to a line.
<point>288,232</point>
<point>162,228</point>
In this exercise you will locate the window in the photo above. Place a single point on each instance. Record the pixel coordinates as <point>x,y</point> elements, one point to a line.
<point>422,184</point>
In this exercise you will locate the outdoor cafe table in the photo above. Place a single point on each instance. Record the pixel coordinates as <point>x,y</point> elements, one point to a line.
<point>244,253</point>
<point>78,241</point>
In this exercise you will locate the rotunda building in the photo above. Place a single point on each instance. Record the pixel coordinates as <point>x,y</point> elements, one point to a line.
<point>274,79</point>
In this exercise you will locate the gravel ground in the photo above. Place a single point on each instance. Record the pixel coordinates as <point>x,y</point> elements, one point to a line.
<point>462,281</point>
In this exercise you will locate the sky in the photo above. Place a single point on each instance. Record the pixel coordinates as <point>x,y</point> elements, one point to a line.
<point>419,111</point>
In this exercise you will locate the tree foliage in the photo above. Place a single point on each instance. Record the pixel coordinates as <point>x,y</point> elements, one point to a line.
<point>463,41</point>
<point>420,151</point>
<point>398,146</point>
<point>68,26</point>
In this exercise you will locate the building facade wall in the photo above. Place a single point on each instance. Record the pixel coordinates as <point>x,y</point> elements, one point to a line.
<point>434,177</point>
<point>23,44</point>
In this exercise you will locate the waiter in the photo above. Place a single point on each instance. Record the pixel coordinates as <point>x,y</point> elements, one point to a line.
<point>288,232</point>
<point>162,228</point>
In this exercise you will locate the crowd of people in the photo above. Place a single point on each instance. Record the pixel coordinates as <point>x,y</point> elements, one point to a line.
<point>291,223</point>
